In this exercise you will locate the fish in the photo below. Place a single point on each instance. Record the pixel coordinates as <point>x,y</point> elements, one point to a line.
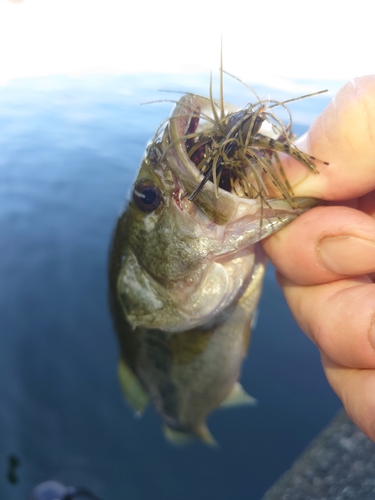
<point>186,267</point>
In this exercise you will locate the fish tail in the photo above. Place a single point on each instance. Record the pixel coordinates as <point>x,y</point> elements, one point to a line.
<point>181,438</point>
<point>178,438</point>
<point>205,435</point>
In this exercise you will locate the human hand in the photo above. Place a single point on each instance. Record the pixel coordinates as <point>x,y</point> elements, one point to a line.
<point>325,259</point>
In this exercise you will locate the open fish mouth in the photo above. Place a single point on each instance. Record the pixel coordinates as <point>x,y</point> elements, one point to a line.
<point>225,149</point>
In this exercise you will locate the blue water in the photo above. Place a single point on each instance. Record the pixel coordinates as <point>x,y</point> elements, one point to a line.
<point>69,150</point>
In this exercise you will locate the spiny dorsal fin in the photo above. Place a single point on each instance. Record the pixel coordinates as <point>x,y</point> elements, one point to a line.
<point>238,397</point>
<point>133,391</point>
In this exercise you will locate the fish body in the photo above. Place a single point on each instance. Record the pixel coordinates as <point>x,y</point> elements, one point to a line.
<point>186,267</point>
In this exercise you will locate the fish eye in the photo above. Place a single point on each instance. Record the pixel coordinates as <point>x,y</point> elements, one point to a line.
<point>146,196</point>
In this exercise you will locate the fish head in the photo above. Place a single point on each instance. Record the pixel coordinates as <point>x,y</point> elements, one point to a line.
<point>179,260</point>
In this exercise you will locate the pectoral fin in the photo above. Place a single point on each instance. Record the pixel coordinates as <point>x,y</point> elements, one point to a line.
<point>134,393</point>
<point>238,397</point>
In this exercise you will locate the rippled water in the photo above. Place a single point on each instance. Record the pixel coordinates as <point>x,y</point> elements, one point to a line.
<point>69,150</point>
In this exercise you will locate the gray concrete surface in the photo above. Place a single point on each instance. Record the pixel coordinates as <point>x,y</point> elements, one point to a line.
<point>339,464</point>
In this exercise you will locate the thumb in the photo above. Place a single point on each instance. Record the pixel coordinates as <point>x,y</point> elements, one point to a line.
<point>344,136</point>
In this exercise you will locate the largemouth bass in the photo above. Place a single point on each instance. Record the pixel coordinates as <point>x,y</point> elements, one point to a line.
<point>186,267</point>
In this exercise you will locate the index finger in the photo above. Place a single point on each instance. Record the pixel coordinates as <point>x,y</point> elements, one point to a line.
<point>344,136</point>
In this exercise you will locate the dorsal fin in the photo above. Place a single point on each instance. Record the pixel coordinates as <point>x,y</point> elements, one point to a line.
<point>133,391</point>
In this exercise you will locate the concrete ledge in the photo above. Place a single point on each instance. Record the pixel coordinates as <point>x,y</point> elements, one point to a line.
<point>339,464</point>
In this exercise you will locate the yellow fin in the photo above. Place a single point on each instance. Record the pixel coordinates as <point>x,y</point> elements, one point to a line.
<point>176,437</point>
<point>134,393</point>
<point>205,435</point>
<point>254,319</point>
<point>238,397</point>
<point>183,438</point>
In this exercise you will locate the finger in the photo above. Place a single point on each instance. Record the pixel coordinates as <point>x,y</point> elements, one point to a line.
<point>338,317</point>
<point>344,136</point>
<point>367,204</point>
<point>356,389</point>
<point>324,244</point>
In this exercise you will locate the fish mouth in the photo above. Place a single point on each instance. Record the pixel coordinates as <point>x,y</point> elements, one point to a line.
<point>198,131</point>
<point>220,152</point>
